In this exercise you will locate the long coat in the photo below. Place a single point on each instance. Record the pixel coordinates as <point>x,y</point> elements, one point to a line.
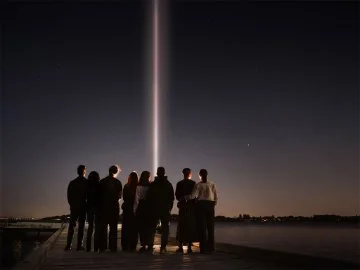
<point>186,229</point>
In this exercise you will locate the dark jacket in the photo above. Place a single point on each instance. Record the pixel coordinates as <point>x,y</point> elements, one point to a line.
<point>183,188</point>
<point>161,195</point>
<point>111,192</point>
<point>76,193</point>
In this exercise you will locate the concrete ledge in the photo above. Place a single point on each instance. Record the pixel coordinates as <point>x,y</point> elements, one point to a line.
<point>285,259</point>
<point>36,258</point>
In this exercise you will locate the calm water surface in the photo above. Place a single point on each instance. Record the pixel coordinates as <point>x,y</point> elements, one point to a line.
<point>341,242</point>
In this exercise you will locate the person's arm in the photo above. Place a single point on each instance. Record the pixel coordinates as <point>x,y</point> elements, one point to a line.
<point>69,195</point>
<point>137,198</point>
<point>194,194</point>
<point>215,194</point>
<point>178,192</point>
<point>125,193</point>
<point>120,190</point>
<point>172,198</point>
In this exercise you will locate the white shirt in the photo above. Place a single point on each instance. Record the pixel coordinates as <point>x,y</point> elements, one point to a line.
<point>204,192</point>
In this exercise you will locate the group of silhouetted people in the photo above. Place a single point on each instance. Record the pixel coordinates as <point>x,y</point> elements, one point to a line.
<point>145,203</point>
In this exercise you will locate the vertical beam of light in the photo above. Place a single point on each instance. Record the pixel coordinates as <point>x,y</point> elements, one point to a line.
<point>155,84</point>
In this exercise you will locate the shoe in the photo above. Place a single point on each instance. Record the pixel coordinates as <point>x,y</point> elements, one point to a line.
<point>162,250</point>
<point>142,249</point>
<point>80,248</point>
<point>67,248</point>
<point>189,250</point>
<point>150,249</point>
<point>179,250</point>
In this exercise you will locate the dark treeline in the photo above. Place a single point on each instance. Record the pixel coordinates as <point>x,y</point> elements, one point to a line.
<point>291,219</point>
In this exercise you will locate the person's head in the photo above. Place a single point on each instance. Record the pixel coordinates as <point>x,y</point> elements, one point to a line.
<point>133,179</point>
<point>114,170</point>
<point>160,171</point>
<point>81,170</point>
<point>144,178</point>
<point>187,173</point>
<point>203,175</point>
<point>94,176</point>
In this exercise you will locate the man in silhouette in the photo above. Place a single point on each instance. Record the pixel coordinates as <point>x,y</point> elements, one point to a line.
<point>186,229</point>
<point>110,194</point>
<point>161,199</point>
<point>76,196</point>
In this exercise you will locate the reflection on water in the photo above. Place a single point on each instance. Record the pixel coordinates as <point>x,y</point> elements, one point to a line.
<point>341,242</point>
<point>15,245</point>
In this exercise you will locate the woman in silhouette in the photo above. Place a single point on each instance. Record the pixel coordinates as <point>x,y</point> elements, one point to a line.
<point>142,212</point>
<point>129,233</point>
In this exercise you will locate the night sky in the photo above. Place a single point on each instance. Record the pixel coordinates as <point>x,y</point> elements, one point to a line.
<point>262,94</point>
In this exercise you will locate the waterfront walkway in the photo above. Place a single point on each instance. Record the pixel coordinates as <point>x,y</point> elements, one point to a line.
<point>57,258</point>
<point>226,257</point>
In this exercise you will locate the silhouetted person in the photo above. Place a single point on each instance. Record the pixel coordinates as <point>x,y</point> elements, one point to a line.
<point>142,211</point>
<point>205,194</point>
<point>111,191</point>
<point>76,196</point>
<point>186,229</point>
<point>92,210</point>
<point>129,232</point>
<point>161,198</point>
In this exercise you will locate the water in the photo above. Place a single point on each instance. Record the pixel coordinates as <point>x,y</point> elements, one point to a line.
<point>328,241</point>
<point>16,244</point>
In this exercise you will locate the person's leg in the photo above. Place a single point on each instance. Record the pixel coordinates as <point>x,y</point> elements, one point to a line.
<point>201,222</point>
<point>133,233</point>
<point>165,219</point>
<point>180,232</point>
<point>125,232</point>
<point>210,226</point>
<point>72,224</point>
<point>90,219</point>
<point>82,217</point>
<point>113,230</point>
<point>151,230</point>
<point>103,232</point>
<point>189,247</point>
<point>98,232</point>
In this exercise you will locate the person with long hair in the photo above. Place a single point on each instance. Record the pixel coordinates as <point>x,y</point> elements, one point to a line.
<point>129,233</point>
<point>206,196</point>
<point>92,210</point>
<point>143,212</point>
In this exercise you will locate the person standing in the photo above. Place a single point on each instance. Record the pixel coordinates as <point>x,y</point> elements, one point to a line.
<point>205,194</point>
<point>186,228</point>
<point>92,210</point>
<point>110,194</point>
<point>143,212</point>
<point>76,196</point>
<point>161,198</point>
<point>129,232</point>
